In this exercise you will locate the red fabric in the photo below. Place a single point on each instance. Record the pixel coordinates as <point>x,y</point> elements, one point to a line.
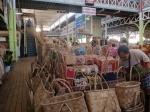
<point>93,57</point>
<point>105,66</point>
<point>69,72</point>
<point>143,64</point>
<point>113,51</point>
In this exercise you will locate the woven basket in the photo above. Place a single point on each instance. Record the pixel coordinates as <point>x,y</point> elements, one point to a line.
<point>70,102</point>
<point>2,51</point>
<point>104,100</point>
<point>138,107</point>
<point>69,58</point>
<point>40,95</point>
<point>126,91</point>
<point>46,39</point>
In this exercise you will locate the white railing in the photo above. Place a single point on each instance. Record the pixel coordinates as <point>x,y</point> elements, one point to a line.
<point>126,4</point>
<point>146,4</point>
<point>120,21</point>
<point>113,4</point>
<point>146,15</point>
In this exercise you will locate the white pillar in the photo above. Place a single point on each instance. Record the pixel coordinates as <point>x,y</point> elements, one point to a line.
<point>91,24</point>
<point>25,38</point>
<point>105,27</point>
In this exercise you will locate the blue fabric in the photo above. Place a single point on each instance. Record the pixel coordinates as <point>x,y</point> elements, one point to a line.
<point>110,76</point>
<point>76,52</point>
<point>81,50</point>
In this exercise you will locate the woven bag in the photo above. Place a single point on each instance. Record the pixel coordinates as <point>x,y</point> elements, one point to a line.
<point>49,43</point>
<point>104,100</point>
<point>69,58</point>
<point>70,102</point>
<point>126,91</point>
<point>138,106</point>
<point>40,95</point>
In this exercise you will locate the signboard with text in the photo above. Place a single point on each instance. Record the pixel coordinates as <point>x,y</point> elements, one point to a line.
<point>88,11</point>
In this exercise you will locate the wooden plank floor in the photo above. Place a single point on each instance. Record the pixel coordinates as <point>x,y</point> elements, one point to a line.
<point>13,92</point>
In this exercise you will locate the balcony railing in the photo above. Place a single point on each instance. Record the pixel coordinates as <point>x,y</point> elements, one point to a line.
<point>146,4</point>
<point>130,5</point>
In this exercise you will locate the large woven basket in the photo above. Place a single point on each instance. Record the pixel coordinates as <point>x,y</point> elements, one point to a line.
<point>69,102</point>
<point>126,92</point>
<point>138,106</point>
<point>40,95</point>
<point>104,100</point>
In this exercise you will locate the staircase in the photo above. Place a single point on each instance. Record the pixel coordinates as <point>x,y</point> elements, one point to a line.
<point>31,47</point>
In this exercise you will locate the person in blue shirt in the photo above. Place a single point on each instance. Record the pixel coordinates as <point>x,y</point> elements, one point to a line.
<point>29,23</point>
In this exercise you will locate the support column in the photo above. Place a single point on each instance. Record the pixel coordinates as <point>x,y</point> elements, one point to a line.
<point>11,33</point>
<point>141,23</point>
<point>141,28</point>
<point>105,27</point>
<point>127,33</point>
<point>67,27</point>
<point>25,39</point>
<point>91,24</point>
<point>15,35</point>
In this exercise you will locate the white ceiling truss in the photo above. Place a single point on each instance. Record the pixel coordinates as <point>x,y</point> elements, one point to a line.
<point>117,21</point>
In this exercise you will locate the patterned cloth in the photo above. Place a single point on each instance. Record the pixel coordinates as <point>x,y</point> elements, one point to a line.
<point>144,72</point>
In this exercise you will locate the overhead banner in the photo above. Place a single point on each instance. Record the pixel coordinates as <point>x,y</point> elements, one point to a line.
<point>89,11</point>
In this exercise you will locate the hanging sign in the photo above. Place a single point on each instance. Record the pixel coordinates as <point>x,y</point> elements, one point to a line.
<point>89,2</point>
<point>88,11</point>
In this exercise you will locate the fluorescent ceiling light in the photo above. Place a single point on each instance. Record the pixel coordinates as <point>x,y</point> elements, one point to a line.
<point>19,13</point>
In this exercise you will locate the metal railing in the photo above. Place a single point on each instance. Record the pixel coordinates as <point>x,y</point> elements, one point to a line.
<point>146,4</point>
<point>130,5</point>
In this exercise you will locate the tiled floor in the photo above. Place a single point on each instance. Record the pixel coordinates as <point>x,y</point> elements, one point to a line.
<point>13,92</point>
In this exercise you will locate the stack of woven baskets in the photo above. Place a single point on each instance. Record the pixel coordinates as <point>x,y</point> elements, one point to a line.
<point>63,82</point>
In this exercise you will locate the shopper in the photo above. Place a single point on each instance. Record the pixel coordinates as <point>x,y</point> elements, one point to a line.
<point>29,23</point>
<point>93,42</point>
<point>124,41</point>
<point>133,57</point>
<point>106,40</point>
